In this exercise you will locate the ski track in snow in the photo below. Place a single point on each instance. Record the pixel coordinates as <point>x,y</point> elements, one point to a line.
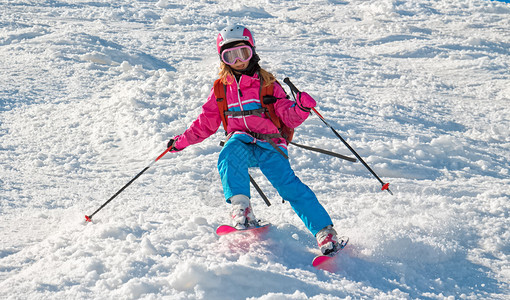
<point>91,91</point>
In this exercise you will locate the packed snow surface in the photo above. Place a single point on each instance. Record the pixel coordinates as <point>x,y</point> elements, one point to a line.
<point>91,91</point>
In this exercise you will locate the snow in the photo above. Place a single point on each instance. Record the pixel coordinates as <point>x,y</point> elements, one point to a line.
<point>91,91</point>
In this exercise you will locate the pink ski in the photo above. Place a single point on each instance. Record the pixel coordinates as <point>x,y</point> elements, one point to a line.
<point>227,229</point>
<point>319,260</point>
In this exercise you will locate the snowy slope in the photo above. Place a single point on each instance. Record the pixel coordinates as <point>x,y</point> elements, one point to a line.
<point>91,91</point>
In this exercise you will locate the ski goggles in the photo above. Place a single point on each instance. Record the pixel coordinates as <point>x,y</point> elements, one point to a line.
<point>231,55</point>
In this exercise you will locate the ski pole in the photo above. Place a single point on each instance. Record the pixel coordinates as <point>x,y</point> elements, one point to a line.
<point>261,193</point>
<point>88,218</point>
<point>319,150</point>
<point>385,186</point>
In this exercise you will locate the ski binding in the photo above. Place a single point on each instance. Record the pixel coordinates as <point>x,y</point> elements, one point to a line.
<point>322,259</point>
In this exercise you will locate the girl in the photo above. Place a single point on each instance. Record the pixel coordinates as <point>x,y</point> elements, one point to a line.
<point>253,140</point>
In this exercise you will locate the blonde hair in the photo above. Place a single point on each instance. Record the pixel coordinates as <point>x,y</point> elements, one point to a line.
<point>227,75</point>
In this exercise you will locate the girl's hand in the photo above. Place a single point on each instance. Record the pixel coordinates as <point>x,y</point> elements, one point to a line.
<point>171,144</point>
<point>305,102</point>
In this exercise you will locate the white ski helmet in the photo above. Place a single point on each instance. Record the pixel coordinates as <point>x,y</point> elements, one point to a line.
<point>234,33</point>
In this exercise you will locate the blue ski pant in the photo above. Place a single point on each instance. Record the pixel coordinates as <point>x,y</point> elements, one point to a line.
<point>240,153</point>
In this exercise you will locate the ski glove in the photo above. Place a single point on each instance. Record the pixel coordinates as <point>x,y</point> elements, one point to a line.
<point>305,102</point>
<point>171,145</point>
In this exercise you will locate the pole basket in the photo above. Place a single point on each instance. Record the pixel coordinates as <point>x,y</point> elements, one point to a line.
<point>88,219</point>
<point>386,187</point>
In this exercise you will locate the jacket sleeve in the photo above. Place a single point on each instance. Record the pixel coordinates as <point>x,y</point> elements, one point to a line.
<point>287,110</point>
<point>204,126</point>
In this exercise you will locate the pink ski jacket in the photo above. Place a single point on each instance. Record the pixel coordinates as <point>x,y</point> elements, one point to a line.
<point>241,96</point>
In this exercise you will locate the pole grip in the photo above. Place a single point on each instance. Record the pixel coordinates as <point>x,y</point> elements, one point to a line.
<point>291,85</point>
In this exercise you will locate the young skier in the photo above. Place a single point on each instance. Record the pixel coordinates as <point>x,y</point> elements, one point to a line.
<point>253,140</point>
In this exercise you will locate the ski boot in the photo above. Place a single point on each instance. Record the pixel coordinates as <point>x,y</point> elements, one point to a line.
<point>328,241</point>
<point>242,213</point>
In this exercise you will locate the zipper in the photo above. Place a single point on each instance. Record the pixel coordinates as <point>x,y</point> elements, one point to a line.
<point>239,95</point>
